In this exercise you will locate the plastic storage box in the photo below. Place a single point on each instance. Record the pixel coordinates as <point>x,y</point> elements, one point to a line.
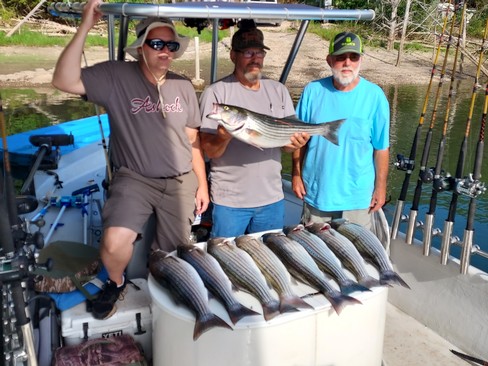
<point>317,337</point>
<point>133,317</point>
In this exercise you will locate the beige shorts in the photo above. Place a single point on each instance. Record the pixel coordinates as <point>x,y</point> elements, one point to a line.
<point>361,217</point>
<point>133,198</point>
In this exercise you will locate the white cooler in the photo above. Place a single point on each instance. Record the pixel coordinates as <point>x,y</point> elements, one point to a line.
<point>133,317</point>
<point>317,337</point>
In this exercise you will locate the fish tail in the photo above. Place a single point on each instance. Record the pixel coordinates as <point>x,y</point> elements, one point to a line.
<point>332,131</point>
<point>290,303</point>
<point>350,286</point>
<point>239,311</point>
<point>208,322</point>
<point>339,301</point>
<point>271,309</point>
<point>369,282</point>
<point>390,278</point>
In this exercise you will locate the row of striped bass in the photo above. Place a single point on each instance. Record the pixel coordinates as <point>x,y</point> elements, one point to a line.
<point>187,288</point>
<point>371,248</point>
<point>244,273</point>
<point>345,251</point>
<point>324,257</point>
<point>303,267</point>
<point>215,280</point>
<point>274,271</point>
<point>265,131</point>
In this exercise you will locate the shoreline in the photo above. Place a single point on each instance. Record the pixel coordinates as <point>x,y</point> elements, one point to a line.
<point>20,69</point>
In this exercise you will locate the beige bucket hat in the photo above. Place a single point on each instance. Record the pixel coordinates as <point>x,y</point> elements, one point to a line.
<point>145,26</point>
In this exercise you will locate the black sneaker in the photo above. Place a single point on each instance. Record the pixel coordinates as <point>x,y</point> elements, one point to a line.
<point>103,307</point>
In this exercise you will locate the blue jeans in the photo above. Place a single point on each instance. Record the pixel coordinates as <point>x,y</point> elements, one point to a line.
<point>231,221</point>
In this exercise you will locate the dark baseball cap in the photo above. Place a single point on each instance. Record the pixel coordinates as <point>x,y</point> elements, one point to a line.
<point>345,42</point>
<point>248,37</point>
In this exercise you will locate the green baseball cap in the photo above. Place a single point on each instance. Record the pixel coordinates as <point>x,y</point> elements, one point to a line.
<point>345,42</point>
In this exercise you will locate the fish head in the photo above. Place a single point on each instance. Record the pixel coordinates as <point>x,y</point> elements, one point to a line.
<point>292,229</point>
<point>231,117</point>
<point>318,227</point>
<point>182,249</point>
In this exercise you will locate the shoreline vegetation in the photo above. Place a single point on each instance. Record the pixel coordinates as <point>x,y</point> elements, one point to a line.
<point>24,66</point>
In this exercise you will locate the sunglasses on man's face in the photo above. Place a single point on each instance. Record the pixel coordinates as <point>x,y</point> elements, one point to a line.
<point>159,44</point>
<point>354,57</point>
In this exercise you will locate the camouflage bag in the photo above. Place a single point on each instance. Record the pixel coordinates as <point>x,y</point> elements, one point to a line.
<point>73,265</point>
<point>113,351</point>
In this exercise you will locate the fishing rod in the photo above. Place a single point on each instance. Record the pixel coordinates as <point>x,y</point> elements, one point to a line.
<point>458,189</point>
<point>14,266</point>
<point>473,187</point>
<point>441,183</point>
<point>425,175</point>
<point>9,191</point>
<point>104,142</point>
<point>408,164</point>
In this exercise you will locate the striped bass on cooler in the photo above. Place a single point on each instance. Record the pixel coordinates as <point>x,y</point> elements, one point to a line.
<point>370,247</point>
<point>264,131</point>
<point>324,257</point>
<point>215,279</point>
<point>345,250</point>
<point>187,288</point>
<point>302,266</point>
<point>244,273</point>
<point>274,271</point>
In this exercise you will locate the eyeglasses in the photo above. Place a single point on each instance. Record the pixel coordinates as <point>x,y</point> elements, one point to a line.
<point>354,57</point>
<point>159,44</point>
<point>251,54</point>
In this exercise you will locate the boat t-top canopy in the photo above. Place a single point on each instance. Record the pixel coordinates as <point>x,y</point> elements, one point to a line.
<point>213,11</point>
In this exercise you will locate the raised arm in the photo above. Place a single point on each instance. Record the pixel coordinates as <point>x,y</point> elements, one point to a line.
<point>67,74</point>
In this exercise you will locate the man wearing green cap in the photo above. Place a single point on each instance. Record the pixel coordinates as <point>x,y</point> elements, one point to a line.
<point>348,180</point>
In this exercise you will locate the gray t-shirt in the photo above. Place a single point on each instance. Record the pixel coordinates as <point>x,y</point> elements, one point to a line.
<point>246,176</point>
<point>141,139</point>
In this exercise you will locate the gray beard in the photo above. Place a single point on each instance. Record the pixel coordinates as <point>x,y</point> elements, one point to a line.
<point>344,81</point>
<point>252,77</point>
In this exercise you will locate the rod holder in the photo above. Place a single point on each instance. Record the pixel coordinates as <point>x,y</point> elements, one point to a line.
<point>412,225</point>
<point>467,249</point>
<point>428,233</point>
<point>396,218</point>
<point>446,241</point>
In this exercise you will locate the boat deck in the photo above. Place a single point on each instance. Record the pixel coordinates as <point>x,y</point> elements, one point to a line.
<point>408,342</point>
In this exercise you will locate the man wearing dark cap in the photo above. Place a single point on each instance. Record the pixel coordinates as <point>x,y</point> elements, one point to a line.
<point>245,181</point>
<point>348,180</point>
<point>155,147</point>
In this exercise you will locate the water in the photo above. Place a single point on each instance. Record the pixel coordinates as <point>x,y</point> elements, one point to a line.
<point>26,109</point>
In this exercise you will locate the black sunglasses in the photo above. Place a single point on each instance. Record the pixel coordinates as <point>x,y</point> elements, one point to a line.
<point>158,44</point>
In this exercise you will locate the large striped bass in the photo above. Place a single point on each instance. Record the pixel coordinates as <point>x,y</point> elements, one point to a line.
<point>264,131</point>
<point>273,270</point>
<point>187,288</point>
<point>370,247</point>
<point>324,257</point>
<point>345,250</point>
<point>244,273</point>
<point>215,280</point>
<point>302,266</point>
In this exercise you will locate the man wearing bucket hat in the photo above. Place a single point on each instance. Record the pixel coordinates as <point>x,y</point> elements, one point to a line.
<point>348,180</point>
<point>155,150</point>
<point>245,182</point>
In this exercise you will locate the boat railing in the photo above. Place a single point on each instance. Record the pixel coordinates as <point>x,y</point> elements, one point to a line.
<point>213,11</point>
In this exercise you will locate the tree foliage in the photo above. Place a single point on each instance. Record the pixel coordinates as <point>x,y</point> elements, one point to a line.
<point>423,14</point>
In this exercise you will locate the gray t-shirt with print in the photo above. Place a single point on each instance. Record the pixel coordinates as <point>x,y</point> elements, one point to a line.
<point>141,139</point>
<point>246,176</point>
